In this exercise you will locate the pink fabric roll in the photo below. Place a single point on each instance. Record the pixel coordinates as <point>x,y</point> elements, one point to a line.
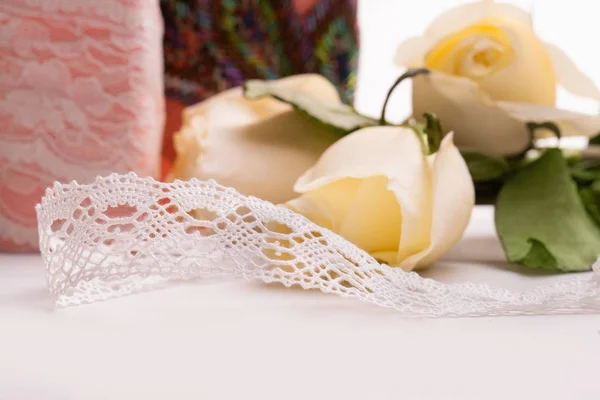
<point>81,95</point>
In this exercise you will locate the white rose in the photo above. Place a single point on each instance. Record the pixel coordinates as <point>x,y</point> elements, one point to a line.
<point>492,74</point>
<point>260,147</point>
<point>377,189</point>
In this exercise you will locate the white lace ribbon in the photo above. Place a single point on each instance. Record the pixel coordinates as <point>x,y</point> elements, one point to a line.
<point>123,234</point>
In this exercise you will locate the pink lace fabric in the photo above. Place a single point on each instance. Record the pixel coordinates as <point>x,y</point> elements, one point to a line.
<point>81,95</point>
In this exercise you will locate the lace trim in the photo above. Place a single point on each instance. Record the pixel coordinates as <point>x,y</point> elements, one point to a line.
<point>123,234</point>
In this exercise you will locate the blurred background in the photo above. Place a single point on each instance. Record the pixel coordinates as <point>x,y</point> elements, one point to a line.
<point>572,25</point>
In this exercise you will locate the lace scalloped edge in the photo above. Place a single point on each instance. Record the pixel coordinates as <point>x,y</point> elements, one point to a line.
<point>123,234</point>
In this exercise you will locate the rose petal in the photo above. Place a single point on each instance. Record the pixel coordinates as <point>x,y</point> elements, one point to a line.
<point>529,77</point>
<point>364,211</point>
<point>262,159</point>
<point>453,201</point>
<point>327,206</point>
<point>187,144</point>
<point>412,52</point>
<point>570,76</point>
<point>465,109</point>
<point>569,122</point>
<point>394,153</point>
<point>468,14</point>
<point>373,218</point>
<point>259,147</point>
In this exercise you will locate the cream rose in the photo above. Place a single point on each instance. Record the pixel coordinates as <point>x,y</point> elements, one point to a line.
<point>260,147</point>
<point>376,188</point>
<point>491,74</point>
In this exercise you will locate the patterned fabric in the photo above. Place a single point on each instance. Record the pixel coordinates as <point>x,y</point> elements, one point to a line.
<point>212,45</point>
<point>81,95</point>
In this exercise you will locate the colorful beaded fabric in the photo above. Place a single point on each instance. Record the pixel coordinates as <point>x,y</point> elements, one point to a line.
<point>212,45</point>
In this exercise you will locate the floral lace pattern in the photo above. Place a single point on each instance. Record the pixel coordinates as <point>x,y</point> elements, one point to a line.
<point>81,95</point>
<point>123,234</point>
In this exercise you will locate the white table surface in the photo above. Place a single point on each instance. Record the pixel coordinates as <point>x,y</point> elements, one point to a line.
<point>238,340</point>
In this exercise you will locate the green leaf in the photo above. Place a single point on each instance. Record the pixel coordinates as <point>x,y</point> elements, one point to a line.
<point>591,201</point>
<point>586,171</point>
<point>484,168</point>
<point>542,221</point>
<point>595,139</point>
<point>339,116</point>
